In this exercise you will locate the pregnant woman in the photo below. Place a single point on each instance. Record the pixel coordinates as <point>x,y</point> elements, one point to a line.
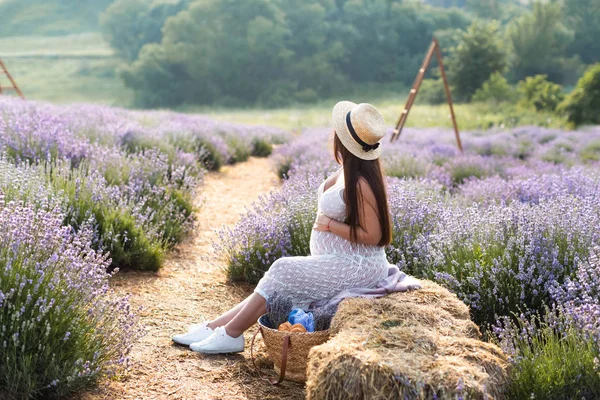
<point>346,245</point>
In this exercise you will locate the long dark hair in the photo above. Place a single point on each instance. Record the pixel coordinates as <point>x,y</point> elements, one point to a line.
<point>371,171</point>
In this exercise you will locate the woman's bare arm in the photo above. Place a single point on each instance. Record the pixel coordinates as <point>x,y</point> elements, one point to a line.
<point>369,232</point>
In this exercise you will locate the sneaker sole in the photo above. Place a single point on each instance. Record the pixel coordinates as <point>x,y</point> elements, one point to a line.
<point>229,351</point>
<point>182,343</point>
<point>185,342</point>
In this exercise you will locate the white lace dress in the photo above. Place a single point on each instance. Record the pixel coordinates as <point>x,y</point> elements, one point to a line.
<point>335,264</point>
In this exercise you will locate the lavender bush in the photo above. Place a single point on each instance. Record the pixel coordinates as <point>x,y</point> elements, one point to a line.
<point>25,184</point>
<point>553,357</point>
<point>278,225</point>
<point>500,228</point>
<point>61,327</point>
<point>85,189</point>
<point>122,225</point>
<point>130,176</point>
<point>508,226</point>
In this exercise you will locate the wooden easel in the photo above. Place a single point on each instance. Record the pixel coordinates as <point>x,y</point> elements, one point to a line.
<point>434,48</point>
<point>4,71</point>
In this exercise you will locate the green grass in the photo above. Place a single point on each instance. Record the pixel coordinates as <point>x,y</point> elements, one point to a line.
<point>469,116</point>
<point>50,17</point>
<point>74,68</point>
<point>82,45</point>
<point>67,80</point>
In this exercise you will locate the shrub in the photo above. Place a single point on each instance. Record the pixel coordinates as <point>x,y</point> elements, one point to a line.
<point>582,105</point>
<point>283,168</point>
<point>304,153</point>
<point>541,94</point>
<point>591,152</point>
<point>24,183</point>
<point>559,152</point>
<point>121,226</point>
<point>240,149</point>
<point>415,216</point>
<point>261,147</point>
<point>500,232</point>
<point>467,167</point>
<point>479,54</point>
<point>208,155</point>
<point>494,90</point>
<point>500,262</point>
<point>62,327</point>
<point>150,183</point>
<point>431,92</point>
<point>552,359</point>
<point>405,166</point>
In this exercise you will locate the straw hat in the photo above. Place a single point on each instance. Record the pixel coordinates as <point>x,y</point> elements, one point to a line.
<point>360,128</point>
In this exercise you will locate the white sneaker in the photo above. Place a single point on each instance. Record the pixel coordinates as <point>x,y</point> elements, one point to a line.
<point>196,333</point>
<point>219,342</point>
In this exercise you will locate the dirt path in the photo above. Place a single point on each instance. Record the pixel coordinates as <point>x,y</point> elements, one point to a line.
<point>188,288</point>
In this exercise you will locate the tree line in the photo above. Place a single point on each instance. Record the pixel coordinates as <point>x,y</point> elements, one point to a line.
<point>276,52</point>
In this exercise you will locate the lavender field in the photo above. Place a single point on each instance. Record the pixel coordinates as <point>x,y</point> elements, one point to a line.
<point>86,191</point>
<point>512,227</point>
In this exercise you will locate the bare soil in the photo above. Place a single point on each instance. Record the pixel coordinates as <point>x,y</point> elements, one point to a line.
<point>189,288</point>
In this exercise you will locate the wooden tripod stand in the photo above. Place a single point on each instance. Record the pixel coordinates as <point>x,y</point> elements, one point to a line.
<point>4,71</point>
<point>433,49</point>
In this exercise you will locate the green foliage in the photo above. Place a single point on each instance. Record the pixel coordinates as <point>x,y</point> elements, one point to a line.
<point>583,104</point>
<point>539,40</point>
<point>283,168</point>
<point>463,169</point>
<point>558,154</point>
<point>485,8</point>
<point>48,331</point>
<point>478,55</point>
<point>495,90</point>
<point>261,147</point>
<point>583,17</point>
<point>478,257</point>
<point>536,91</point>
<point>207,154</point>
<point>405,166</point>
<point>591,152</point>
<point>502,10</point>
<point>431,92</point>
<point>160,78</point>
<point>279,53</point>
<point>132,245</point>
<point>241,151</point>
<point>130,24</point>
<point>552,364</point>
<point>129,244</point>
<point>446,3</point>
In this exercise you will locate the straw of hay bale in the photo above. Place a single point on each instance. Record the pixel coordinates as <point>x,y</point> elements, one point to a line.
<point>416,345</point>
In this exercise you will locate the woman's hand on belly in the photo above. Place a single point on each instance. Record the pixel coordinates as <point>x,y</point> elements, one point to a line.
<point>322,222</point>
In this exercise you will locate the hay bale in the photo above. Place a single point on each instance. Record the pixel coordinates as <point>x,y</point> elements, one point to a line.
<point>417,345</point>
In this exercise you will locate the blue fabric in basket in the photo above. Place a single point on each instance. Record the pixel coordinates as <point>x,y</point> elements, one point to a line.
<point>298,316</point>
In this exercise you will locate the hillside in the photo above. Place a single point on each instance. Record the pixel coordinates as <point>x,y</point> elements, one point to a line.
<point>50,17</point>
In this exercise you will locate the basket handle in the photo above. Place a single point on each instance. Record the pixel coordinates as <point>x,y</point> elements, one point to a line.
<point>284,352</point>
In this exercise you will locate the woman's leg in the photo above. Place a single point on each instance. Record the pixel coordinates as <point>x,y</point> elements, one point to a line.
<point>224,318</point>
<point>254,307</point>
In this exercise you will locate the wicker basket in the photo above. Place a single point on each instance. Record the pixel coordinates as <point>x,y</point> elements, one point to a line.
<point>288,350</point>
